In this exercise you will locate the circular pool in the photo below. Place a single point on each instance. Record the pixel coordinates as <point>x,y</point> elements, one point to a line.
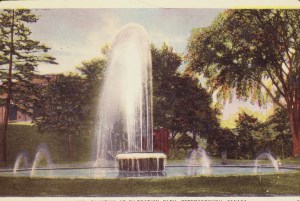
<point>170,171</point>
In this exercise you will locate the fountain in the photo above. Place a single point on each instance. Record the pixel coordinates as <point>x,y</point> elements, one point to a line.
<point>124,128</point>
<point>21,157</point>
<point>198,157</point>
<point>42,153</point>
<point>266,156</point>
<point>142,164</point>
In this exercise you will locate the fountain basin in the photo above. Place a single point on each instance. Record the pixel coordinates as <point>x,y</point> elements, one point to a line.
<point>141,162</point>
<point>170,171</point>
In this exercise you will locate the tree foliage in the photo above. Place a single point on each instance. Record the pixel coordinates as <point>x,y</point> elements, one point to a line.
<point>165,64</point>
<point>246,128</point>
<point>67,106</point>
<point>225,141</point>
<point>254,137</point>
<point>278,126</point>
<point>93,75</point>
<point>61,109</point>
<point>19,57</point>
<point>180,103</point>
<point>22,53</point>
<point>255,54</point>
<point>60,106</point>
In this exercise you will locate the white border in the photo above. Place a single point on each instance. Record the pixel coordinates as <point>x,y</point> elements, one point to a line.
<point>151,4</point>
<point>259,4</point>
<point>153,198</point>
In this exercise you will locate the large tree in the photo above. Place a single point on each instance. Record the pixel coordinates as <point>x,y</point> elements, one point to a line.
<point>180,103</point>
<point>223,143</point>
<point>247,127</point>
<point>255,54</point>
<point>191,109</point>
<point>165,64</point>
<point>277,133</point>
<point>19,57</point>
<point>61,108</point>
<point>67,105</point>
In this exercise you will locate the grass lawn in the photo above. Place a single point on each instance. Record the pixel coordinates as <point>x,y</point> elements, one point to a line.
<point>292,160</point>
<point>252,185</point>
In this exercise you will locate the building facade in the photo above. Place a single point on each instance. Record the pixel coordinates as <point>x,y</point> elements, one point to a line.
<point>14,114</point>
<point>161,140</point>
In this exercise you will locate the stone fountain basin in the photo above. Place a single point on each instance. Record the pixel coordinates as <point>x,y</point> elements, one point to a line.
<point>137,162</point>
<point>170,171</point>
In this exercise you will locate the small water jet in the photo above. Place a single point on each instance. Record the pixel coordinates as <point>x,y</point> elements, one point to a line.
<point>42,153</point>
<point>265,156</point>
<point>21,157</point>
<point>197,158</point>
<point>125,106</point>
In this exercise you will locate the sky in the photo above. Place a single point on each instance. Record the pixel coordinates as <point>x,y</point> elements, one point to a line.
<point>77,35</point>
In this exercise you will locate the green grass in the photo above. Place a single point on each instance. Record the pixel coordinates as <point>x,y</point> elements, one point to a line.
<point>25,137</point>
<point>275,184</point>
<point>292,160</point>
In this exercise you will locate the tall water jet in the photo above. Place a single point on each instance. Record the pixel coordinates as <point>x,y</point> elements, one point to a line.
<point>265,156</point>
<point>42,153</point>
<point>21,157</point>
<point>124,119</point>
<point>197,158</point>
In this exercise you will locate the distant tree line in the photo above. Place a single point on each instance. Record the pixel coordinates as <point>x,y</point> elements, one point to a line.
<point>251,137</point>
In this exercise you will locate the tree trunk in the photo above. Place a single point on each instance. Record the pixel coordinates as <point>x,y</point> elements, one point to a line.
<point>224,157</point>
<point>69,142</point>
<point>296,143</point>
<point>295,129</point>
<point>9,85</point>
<point>172,140</point>
<point>194,143</point>
<point>282,149</point>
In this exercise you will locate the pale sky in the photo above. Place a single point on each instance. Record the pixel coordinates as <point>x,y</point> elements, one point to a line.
<point>77,35</point>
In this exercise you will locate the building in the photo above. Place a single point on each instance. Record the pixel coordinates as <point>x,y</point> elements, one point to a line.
<point>161,140</point>
<point>14,114</point>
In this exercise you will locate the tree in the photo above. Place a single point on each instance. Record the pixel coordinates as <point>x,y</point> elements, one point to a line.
<point>252,136</point>
<point>223,142</point>
<point>191,109</point>
<point>93,75</point>
<point>180,103</point>
<point>165,64</point>
<point>247,126</point>
<point>278,126</point>
<point>20,55</point>
<point>255,54</point>
<point>68,105</point>
<point>61,109</point>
